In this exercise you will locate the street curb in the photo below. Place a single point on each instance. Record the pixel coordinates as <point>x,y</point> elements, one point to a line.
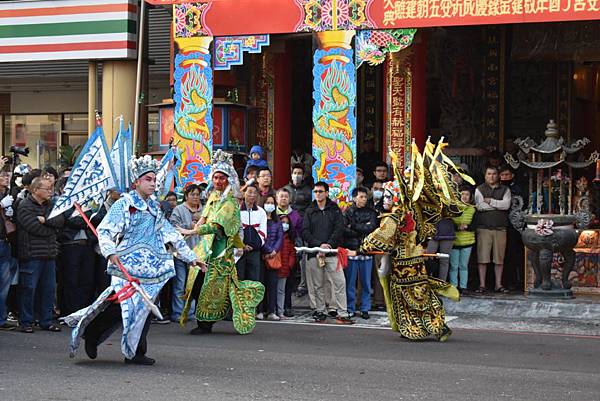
<point>525,308</point>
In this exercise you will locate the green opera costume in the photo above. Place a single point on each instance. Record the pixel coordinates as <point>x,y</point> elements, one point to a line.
<point>420,198</point>
<point>221,287</point>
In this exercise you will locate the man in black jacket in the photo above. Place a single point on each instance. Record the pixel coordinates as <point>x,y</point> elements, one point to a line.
<point>75,264</point>
<point>359,220</point>
<point>299,189</point>
<point>323,226</point>
<point>38,248</point>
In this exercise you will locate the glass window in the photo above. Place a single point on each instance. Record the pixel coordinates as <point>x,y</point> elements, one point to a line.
<point>38,133</point>
<point>74,140</point>
<point>75,123</point>
<point>153,131</point>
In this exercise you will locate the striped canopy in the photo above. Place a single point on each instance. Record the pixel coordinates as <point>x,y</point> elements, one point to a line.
<point>67,29</point>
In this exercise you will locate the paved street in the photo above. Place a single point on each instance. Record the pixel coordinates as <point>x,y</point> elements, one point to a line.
<point>282,361</point>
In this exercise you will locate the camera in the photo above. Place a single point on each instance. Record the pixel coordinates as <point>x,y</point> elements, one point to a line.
<point>19,150</point>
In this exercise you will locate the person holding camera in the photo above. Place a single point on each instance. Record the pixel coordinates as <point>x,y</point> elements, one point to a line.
<point>7,267</point>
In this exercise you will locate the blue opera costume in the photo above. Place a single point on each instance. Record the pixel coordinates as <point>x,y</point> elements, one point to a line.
<point>137,231</point>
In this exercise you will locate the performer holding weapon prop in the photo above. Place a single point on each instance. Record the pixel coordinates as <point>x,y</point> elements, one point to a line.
<point>128,290</point>
<point>133,237</point>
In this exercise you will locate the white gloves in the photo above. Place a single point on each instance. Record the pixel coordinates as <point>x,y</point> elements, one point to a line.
<point>7,201</point>
<point>22,194</point>
<point>9,212</point>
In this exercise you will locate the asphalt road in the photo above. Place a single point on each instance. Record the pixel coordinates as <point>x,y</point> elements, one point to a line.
<point>306,362</point>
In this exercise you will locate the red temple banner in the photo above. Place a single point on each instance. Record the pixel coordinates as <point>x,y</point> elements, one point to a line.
<point>243,17</point>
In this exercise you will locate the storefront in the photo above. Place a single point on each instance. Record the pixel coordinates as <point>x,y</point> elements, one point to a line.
<point>61,61</point>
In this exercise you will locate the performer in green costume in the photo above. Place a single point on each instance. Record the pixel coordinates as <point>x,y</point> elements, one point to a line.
<point>214,283</point>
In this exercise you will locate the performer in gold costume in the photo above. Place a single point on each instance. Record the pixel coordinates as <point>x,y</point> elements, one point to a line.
<point>219,288</point>
<point>414,202</point>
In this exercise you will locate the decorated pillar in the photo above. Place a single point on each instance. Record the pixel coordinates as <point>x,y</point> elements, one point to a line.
<point>334,119</point>
<point>193,108</point>
<point>404,88</point>
<point>193,87</point>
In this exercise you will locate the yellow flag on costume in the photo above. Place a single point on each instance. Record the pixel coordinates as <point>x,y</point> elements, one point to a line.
<point>419,171</point>
<point>464,176</point>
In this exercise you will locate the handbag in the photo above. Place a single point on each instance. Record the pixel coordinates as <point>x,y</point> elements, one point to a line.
<point>274,263</point>
<point>8,224</point>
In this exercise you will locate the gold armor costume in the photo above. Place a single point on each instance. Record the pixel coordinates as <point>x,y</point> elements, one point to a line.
<point>420,198</point>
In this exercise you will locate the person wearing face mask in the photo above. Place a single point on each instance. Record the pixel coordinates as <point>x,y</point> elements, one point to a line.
<point>299,190</point>
<point>359,220</point>
<point>254,224</point>
<point>513,255</point>
<point>299,198</point>
<point>285,282</point>
<point>376,199</point>
<point>272,259</point>
<point>376,203</point>
<point>284,208</point>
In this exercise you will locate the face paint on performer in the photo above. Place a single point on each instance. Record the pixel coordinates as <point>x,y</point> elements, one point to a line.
<point>220,181</point>
<point>387,200</point>
<point>146,184</point>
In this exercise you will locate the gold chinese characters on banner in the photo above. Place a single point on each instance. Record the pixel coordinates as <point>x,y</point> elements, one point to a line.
<point>395,10</point>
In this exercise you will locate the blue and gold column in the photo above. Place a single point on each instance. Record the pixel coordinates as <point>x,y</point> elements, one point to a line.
<point>193,87</point>
<point>334,114</point>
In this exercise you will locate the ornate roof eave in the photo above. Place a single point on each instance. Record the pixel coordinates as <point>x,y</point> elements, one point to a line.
<point>541,165</point>
<point>576,146</point>
<point>591,160</point>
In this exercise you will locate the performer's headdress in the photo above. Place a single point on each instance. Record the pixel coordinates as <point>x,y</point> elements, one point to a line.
<point>425,188</point>
<point>143,165</point>
<point>222,162</point>
<point>393,188</point>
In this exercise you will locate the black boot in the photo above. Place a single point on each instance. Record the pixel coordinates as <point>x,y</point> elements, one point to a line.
<point>445,334</point>
<point>203,328</point>
<point>140,360</point>
<point>91,348</point>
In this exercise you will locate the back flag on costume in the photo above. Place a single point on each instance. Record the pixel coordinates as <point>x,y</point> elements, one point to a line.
<point>91,177</point>
<point>166,177</point>
<point>120,155</point>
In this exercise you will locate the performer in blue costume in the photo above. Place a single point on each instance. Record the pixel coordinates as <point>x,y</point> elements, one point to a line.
<point>135,232</point>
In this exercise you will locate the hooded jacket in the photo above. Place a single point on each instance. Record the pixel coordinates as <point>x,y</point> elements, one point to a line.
<point>258,163</point>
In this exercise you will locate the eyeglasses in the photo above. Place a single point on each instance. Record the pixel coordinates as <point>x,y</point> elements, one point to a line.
<point>318,191</point>
<point>45,189</point>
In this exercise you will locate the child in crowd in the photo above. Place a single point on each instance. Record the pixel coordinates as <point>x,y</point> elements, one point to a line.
<point>272,258</point>
<point>288,260</point>
<point>465,238</point>
<point>256,158</point>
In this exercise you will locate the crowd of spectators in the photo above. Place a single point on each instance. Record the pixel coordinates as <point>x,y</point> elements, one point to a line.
<point>52,267</point>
